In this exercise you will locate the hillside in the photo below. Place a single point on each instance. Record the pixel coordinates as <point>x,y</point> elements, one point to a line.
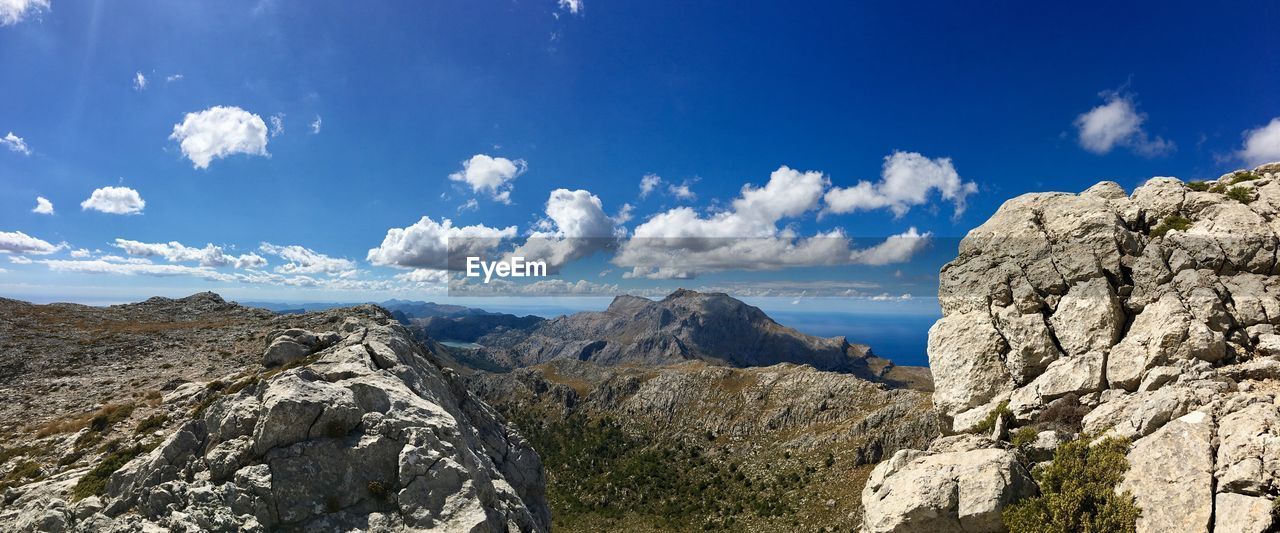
<point>195,414</point>
<point>685,326</point>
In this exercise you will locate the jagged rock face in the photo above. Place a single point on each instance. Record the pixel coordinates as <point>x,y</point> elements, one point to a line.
<point>1155,313</point>
<point>684,326</point>
<point>365,432</point>
<point>959,485</point>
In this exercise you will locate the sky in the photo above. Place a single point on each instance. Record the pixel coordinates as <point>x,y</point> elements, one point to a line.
<point>338,151</point>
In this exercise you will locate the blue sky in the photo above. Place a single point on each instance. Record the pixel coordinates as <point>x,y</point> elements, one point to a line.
<point>480,111</point>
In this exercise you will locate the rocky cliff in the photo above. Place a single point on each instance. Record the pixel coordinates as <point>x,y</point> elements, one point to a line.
<point>1150,316</point>
<point>684,326</point>
<point>335,420</point>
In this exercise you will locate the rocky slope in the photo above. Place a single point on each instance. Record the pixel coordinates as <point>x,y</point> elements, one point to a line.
<point>801,438</point>
<point>1149,316</point>
<point>684,326</point>
<point>170,414</point>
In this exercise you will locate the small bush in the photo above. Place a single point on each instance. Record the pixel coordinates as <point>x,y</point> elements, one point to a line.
<point>152,423</point>
<point>989,423</point>
<point>16,451</point>
<point>1077,492</point>
<point>1171,223</point>
<point>1064,413</point>
<point>95,482</point>
<point>1198,186</point>
<point>1240,194</point>
<point>1241,177</point>
<point>1023,437</point>
<point>26,470</point>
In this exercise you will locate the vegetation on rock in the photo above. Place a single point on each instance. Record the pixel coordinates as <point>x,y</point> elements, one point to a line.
<point>1171,223</point>
<point>1077,492</point>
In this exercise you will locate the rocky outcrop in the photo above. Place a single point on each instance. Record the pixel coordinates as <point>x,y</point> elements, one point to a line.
<point>684,326</point>
<point>364,430</point>
<point>1153,314</point>
<point>959,485</point>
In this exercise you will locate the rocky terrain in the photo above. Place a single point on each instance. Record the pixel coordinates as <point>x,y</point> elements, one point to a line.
<point>1150,317</point>
<point>684,326</point>
<point>200,415</point>
<point>782,447</point>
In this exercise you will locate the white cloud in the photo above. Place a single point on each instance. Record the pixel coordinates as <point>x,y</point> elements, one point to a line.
<point>624,214</point>
<point>17,242</point>
<point>427,244</point>
<point>575,226</point>
<point>1262,144</point>
<point>114,200</point>
<point>277,124</point>
<point>1118,123</point>
<point>139,81</point>
<point>315,125</point>
<point>648,183</point>
<point>492,175</point>
<point>218,132</point>
<point>681,191</point>
<point>176,252</point>
<point>906,180</point>
<point>99,266</point>
<point>43,206</point>
<point>898,248</point>
<point>15,11</point>
<point>470,205</point>
<point>19,260</point>
<point>306,261</point>
<point>572,6</point>
<point>172,78</point>
<point>14,142</point>
<point>80,253</point>
<point>424,276</point>
<point>681,243</point>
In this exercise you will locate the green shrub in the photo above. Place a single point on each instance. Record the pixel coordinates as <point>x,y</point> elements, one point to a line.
<point>1171,223</point>
<point>1199,186</point>
<point>95,482</point>
<point>1241,177</point>
<point>151,423</point>
<point>10,453</point>
<point>1220,188</point>
<point>1240,194</point>
<point>989,423</point>
<point>1024,437</point>
<point>1077,492</point>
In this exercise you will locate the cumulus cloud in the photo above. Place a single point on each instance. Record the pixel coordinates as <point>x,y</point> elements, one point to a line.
<point>315,125</point>
<point>907,179</point>
<point>490,175</point>
<point>139,81</point>
<point>681,191</point>
<point>14,142</point>
<point>301,260</point>
<point>219,132</point>
<point>575,226</point>
<point>648,183</point>
<point>19,260</point>
<point>115,200</point>
<point>176,252</point>
<point>1118,123</point>
<point>428,244</point>
<point>424,276</point>
<point>15,11</point>
<point>1262,144</point>
<point>682,243</point>
<point>572,6</point>
<point>17,242</point>
<point>80,253</point>
<point>43,206</point>
<point>898,248</point>
<point>99,266</point>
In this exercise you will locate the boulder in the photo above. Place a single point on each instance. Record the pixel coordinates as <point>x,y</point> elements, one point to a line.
<point>958,486</point>
<point>1171,476</point>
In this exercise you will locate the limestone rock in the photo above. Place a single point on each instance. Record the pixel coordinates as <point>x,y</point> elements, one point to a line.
<point>960,486</point>
<point>1171,476</point>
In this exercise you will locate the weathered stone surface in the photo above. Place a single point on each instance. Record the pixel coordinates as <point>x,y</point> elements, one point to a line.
<point>1171,476</point>
<point>1248,458</point>
<point>1238,513</point>
<point>956,486</point>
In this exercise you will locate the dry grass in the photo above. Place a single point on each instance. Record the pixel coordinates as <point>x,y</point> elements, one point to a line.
<point>101,419</point>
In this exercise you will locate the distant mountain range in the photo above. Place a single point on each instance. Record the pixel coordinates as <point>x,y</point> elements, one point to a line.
<point>410,308</point>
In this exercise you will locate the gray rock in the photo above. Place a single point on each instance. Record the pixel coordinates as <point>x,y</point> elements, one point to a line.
<point>1171,476</point>
<point>1238,513</point>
